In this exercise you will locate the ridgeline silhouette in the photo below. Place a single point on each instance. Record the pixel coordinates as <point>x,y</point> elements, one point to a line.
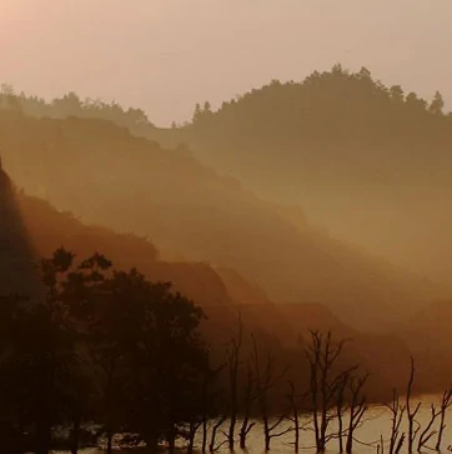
<point>18,273</point>
<point>368,161</point>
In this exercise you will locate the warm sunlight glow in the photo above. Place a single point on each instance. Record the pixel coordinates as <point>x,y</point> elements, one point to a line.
<point>225,226</point>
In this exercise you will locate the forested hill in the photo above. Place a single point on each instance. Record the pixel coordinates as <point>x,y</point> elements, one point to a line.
<point>369,161</point>
<point>104,174</point>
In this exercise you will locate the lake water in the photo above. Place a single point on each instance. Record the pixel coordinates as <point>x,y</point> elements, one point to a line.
<point>368,436</point>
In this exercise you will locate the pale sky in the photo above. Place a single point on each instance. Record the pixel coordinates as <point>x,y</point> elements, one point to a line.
<point>165,55</point>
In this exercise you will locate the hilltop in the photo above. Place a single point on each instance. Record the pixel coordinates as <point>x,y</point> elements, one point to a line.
<point>368,161</point>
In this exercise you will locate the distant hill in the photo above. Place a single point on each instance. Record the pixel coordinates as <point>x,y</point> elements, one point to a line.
<point>47,229</point>
<point>225,296</point>
<point>428,336</point>
<point>368,161</point>
<point>104,174</point>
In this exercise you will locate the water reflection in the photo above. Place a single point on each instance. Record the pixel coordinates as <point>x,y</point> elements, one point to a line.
<point>376,427</point>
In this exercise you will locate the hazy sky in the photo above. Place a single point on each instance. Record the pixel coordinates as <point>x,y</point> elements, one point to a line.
<point>165,55</point>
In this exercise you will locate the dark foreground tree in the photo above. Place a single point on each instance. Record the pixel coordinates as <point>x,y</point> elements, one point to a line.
<point>103,346</point>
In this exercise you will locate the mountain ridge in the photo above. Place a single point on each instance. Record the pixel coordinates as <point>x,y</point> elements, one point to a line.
<point>108,176</point>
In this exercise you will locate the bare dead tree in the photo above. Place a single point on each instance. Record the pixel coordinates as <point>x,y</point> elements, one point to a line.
<point>325,383</point>
<point>400,443</point>
<point>397,412</point>
<point>266,378</point>
<point>446,402</point>
<point>213,437</point>
<point>210,395</point>
<point>340,408</point>
<point>234,363</point>
<point>410,411</point>
<point>428,433</point>
<point>292,398</point>
<point>192,430</point>
<point>358,408</point>
<point>204,433</point>
<point>248,400</point>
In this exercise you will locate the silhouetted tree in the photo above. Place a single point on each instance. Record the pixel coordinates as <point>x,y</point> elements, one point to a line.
<point>248,400</point>
<point>397,411</point>
<point>427,433</point>
<point>357,407</point>
<point>410,411</point>
<point>446,402</point>
<point>294,414</point>
<point>326,380</point>
<point>437,105</point>
<point>267,377</point>
<point>234,362</point>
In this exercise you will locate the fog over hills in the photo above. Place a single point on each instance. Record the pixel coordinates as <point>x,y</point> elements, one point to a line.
<point>104,174</point>
<point>223,294</point>
<point>371,162</point>
<point>225,225</point>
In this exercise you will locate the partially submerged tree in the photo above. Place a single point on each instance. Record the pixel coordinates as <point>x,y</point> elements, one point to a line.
<point>267,377</point>
<point>397,410</point>
<point>428,433</point>
<point>413,426</point>
<point>294,415</point>
<point>327,377</point>
<point>249,397</point>
<point>446,402</point>
<point>234,361</point>
<point>357,407</point>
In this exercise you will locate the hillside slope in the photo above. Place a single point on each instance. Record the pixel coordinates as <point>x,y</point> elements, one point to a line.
<point>109,177</point>
<point>368,161</point>
<point>225,296</point>
<point>17,257</point>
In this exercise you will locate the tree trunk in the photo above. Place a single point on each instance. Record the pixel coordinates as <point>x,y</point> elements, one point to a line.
<point>109,443</point>
<point>266,432</point>
<point>297,431</point>
<point>215,428</point>
<point>151,442</point>
<point>75,434</point>
<point>231,434</point>
<point>191,440</point>
<point>43,437</point>
<point>349,444</point>
<point>340,431</point>
<point>244,431</point>
<point>204,434</point>
<point>172,439</point>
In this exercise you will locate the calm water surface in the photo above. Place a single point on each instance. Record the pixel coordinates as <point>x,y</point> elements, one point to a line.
<point>377,424</point>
